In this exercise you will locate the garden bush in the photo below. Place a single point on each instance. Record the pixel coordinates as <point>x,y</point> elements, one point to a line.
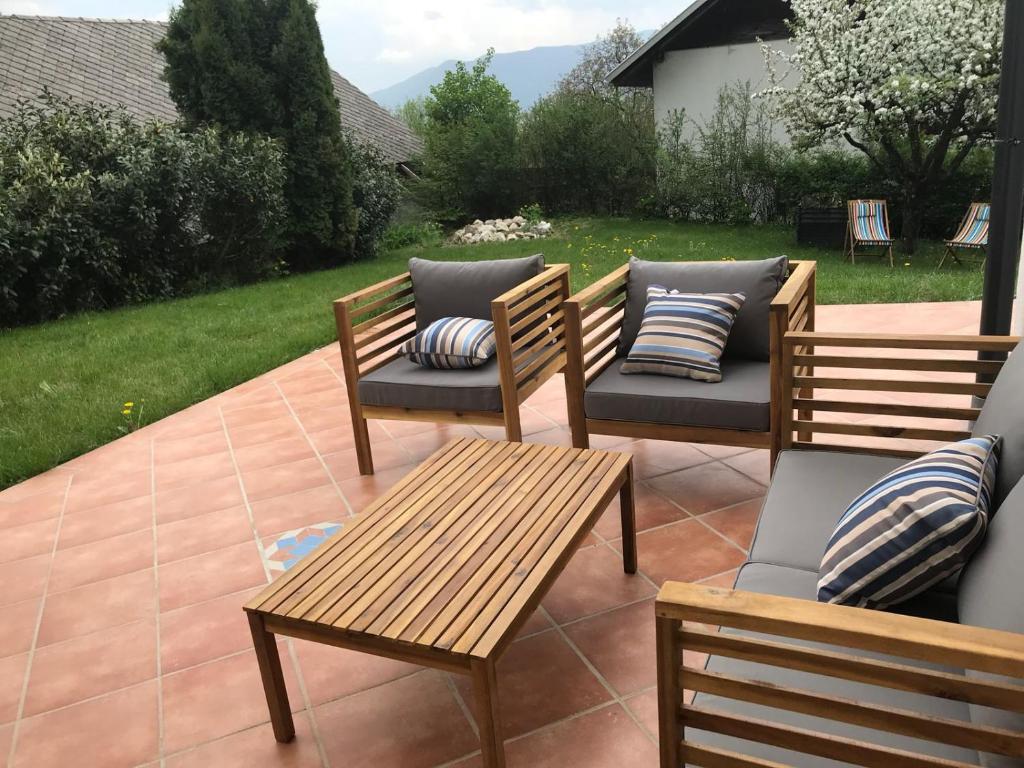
<point>732,170</point>
<point>98,209</point>
<point>376,193</point>
<point>723,170</point>
<point>582,152</point>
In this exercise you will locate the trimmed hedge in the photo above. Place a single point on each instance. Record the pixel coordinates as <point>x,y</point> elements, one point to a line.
<point>98,209</point>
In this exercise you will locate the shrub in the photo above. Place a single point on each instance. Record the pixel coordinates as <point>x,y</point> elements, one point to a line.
<point>97,209</point>
<point>729,170</point>
<point>426,234</point>
<point>532,212</point>
<point>470,145</point>
<point>376,192</point>
<point>582,151</point>
<point>830,177</point>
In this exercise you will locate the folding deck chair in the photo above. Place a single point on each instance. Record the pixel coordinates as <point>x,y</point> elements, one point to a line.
<point>868,225</point>
<point>973,233</point>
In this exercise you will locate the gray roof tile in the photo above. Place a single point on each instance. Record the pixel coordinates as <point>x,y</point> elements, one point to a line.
<point>116,62</point>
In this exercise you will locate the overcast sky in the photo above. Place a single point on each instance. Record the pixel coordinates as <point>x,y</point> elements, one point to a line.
<point>380,42</point>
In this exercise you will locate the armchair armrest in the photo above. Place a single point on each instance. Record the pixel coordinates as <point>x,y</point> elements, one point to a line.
<point>593,325</point>
<point>372,323</point>
<point>793,306</point>
<point>683,609</point>
<point>928,394</point>
<point>529,326</point>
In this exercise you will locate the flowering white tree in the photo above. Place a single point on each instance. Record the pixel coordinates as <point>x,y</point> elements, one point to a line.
<point>912,84</point>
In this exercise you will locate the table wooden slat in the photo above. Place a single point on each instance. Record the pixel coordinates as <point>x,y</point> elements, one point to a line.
<point>453,557</point>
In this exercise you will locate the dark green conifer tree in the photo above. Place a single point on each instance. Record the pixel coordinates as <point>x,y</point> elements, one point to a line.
<point>259,66</point>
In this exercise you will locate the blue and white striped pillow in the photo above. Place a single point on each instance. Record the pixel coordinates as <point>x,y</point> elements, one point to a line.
<point>683,334</point>
<point>452,342</point>
<point>913,528</point>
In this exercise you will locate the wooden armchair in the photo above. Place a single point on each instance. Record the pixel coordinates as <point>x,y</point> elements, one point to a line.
<point>790,681</point>
<point>594,320</point>
<point>530,333</point>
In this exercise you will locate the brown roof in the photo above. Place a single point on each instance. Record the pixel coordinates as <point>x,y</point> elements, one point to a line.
<point>113,62</point>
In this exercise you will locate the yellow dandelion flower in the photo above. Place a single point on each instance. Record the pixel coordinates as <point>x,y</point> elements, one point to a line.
<point>129,404</point>
<point>126,412</point>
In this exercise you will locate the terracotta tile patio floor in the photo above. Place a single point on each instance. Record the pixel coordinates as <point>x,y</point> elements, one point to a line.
<point>124,572</point>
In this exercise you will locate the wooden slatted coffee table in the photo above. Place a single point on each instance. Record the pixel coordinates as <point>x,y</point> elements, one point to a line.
<point>446,567</point>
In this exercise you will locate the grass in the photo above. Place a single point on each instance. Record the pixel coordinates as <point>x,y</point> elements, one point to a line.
<point>63,383</point>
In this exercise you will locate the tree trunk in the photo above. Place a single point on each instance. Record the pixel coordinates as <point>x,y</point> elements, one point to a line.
<point>911,223</point>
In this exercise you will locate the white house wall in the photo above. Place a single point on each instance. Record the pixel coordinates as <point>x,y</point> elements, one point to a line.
<point>691,79</point>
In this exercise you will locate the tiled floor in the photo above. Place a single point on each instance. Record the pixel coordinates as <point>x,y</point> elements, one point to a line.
<point>124,572</point>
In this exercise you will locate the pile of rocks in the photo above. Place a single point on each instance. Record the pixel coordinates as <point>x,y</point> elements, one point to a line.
<point>500,230</point>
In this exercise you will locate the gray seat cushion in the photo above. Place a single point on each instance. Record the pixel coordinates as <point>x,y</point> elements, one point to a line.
<point>759,280</point>
<point>466,288</point>
<point>742,400</point>
<point>790,582</point>
<point>990,597</point>
<point>810,490</point>
<point>1003,415</point>
<point>404,384</point>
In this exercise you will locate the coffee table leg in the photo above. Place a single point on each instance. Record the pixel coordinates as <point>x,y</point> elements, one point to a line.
<point>628,507</point>
<point>485,694</point>
<point>273,679</point>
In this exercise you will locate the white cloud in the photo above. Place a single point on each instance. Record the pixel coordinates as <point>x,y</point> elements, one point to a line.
<point>404,36</point>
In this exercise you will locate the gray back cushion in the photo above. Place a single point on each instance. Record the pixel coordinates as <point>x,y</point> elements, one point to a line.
<point>1003,415</point>
<point>989,597</point>
<point>466,288</point>
<point>759,280</point>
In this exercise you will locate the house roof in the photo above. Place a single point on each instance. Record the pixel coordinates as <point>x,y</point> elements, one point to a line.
<point>704,24</point>
<point>115,62</point>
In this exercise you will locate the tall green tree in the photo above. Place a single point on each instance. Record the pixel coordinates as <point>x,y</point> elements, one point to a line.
<point>470,144</point>
<point>912,84</point>
<point>259,66</point>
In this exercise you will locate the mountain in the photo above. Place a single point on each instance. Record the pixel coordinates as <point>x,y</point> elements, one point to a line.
<point>527,74</point>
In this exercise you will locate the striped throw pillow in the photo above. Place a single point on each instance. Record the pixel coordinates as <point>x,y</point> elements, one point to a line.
<point>913,528</point>
<point>452,342</point>
<point>683,334</point>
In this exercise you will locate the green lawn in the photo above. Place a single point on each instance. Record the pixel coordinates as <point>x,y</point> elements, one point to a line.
<point>62,384</point>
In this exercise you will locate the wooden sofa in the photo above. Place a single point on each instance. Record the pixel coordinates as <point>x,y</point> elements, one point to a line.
<point>938,681</point>
<point>742,410</point>
<point>529,330</point>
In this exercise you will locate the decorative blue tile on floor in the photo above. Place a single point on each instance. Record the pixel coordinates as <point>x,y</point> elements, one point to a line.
<point>292,546</point>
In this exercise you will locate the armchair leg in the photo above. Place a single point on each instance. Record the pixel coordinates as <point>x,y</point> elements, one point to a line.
<point>513,428</point>
<point>364,453</point>
<point>580,437</point>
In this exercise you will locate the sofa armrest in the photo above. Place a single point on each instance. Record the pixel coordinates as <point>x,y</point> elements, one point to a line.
<point>372,323</point>
<point>683,612</point>
<point>529,326</point>
<point>929,385</point>
<point>795,302</point>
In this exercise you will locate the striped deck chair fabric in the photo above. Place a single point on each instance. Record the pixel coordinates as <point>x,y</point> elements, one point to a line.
<point>974,229</point>
<point>869,224</point>
<point>973,232</point>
